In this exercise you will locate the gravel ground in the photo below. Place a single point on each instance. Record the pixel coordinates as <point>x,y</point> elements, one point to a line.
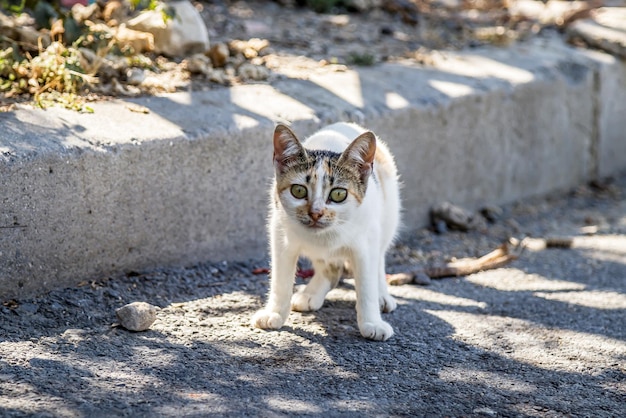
<point>541,337</point>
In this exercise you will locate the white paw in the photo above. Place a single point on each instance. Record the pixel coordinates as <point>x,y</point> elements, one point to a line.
<point>377,331</point>
<point>305,302</point>
<point>387,303</point>
<point>267,320</point>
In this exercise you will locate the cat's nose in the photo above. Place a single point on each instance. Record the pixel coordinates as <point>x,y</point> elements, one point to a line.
<point>316,215</point>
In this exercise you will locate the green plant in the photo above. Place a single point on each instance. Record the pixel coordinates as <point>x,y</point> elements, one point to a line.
<point>167,11</point>
<point>13,6</point>
<point>364,59</point>
<point>144,4</point>
<point>53,76</point>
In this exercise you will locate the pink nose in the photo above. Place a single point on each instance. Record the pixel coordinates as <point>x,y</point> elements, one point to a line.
<point>316,215</point>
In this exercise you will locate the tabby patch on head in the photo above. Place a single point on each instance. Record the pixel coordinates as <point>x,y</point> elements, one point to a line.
<point>319,188</point>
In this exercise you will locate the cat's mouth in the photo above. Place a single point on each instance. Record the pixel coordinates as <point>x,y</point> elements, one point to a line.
<point>315,225</point>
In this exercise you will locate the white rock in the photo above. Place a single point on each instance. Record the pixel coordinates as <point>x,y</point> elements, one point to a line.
<point>137,316</point>
<point>135,76</point>
<point>183,34</point>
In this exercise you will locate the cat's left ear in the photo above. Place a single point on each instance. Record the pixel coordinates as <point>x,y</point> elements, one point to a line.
<point>361,152</point>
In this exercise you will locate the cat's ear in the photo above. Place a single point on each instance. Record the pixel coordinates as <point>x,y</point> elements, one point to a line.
<point>361,152</point>
<point>287,148</point>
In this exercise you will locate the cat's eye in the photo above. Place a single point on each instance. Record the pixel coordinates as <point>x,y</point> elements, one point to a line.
<point>338,195</point>
<point>298,191</point>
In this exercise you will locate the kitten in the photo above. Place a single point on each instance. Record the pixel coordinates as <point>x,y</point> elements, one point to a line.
<point>335,199</point>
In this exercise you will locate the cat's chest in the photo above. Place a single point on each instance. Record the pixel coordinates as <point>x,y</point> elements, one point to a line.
<point>319,245</point>
<point>327,253</point>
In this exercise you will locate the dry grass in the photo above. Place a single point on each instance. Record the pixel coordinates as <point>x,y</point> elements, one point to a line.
<point>54,76</point>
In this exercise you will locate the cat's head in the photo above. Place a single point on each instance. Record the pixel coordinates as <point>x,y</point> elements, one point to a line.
<point>321,189</point>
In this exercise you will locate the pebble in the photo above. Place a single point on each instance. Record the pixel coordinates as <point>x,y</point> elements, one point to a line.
<point>485,411</point>
<point>249,71</point>
<point>137,316</point>
<point>421,278</point>
<point>135,76</point>
<point>218,76</point>
<point>80,13</point>
<point>492,213</point>
<point>198,64</point>
<point>440,226</point>
<point>456,217</point>
<point>219,54</point>
<point>250,48</point>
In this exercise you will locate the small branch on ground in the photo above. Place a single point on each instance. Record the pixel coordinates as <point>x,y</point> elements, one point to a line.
<point>502,255</point>
<point>497,258</point>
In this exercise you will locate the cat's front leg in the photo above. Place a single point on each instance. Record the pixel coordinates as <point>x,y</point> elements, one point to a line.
<point>311,298</point>
<point>283,270</point>
<point>385,300</point>
<point>366,277</point>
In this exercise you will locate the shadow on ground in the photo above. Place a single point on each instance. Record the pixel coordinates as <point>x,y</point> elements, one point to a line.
<point>492,344</point>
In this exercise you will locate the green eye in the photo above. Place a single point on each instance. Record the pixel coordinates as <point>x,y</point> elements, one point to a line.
<point>338,195</point>
<point>298,191</point>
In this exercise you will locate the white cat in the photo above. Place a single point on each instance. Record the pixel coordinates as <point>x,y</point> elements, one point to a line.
<point>335,198</point>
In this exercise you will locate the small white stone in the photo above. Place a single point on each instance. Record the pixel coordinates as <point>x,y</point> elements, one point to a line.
<point>135,76</point>
<point>137,316</point>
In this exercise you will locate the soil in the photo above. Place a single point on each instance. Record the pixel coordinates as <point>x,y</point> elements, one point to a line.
<point>302,41</point>
<point>541,337</point>
<point>353,38</point>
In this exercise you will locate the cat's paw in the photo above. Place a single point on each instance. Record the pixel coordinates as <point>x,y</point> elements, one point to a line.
<point>265,319</point>
<point>377,331</point>
<point>387,303</point>
<point>305,302</point>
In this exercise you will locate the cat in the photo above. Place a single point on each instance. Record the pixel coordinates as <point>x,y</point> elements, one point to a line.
<point>335,199</point>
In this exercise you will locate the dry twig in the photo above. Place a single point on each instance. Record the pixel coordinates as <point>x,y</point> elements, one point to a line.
<point>497,258</point>
<point>502,255</point>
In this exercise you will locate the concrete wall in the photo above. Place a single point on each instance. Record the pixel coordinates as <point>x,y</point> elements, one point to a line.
<point>90,195</point>
<point>611,115</point>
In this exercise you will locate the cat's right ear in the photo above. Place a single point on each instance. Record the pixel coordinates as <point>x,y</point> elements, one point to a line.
<point>287,148</point>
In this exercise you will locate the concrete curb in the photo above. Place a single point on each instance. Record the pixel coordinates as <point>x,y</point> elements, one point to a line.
<point>91,195</point>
